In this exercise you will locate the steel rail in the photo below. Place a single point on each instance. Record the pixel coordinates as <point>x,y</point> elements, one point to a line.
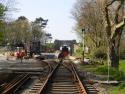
<point>15,84</point>
<point>41,88</point>
<point>47,80</point>
<point>83,85</point>
<point>76,78</point>
<point>49,66</point>
<point>79,81</point>
<point>60,84</point>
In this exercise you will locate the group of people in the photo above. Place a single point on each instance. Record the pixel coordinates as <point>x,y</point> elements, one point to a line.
<point>21,53</point>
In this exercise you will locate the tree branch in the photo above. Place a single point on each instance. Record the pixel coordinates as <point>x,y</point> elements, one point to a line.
<point>121,24</point>
<point>110,3</point>
<point>107,16</point>
<point>117,11</point>
<point>116,27</point>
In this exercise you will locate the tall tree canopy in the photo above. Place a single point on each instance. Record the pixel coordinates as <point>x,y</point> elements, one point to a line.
<point>18,31</point>
<point>89,16</point>
<point>37,28</point>
<point>22,31</point>
<point>6,6</point>
<point>3,9</point>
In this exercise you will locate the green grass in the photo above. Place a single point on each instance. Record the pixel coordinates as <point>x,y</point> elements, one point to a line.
<point>89,68</point>
<point>102,69</point>
<point>120,89</point>
<point>122,66</point>
<point>116,90</point>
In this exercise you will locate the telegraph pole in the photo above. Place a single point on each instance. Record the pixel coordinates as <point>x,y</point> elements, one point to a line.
<point>83,44</point>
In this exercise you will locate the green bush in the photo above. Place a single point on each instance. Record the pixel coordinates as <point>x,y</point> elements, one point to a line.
<point>122,86</point>
<point>99,53</point>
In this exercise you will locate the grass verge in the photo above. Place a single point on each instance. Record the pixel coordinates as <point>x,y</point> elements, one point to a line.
<point>115,75</point>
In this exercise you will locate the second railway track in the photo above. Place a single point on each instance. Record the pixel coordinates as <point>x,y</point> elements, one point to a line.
<point>19,80</point>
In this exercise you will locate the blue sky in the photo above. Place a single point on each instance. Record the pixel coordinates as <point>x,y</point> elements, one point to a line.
<point>58,12</point>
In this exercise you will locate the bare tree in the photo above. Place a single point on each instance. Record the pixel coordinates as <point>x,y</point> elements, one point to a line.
<point>114,29</point>
<point>89,15</point>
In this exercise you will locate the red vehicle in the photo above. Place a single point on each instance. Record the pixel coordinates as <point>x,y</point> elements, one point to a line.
<point>64,52</point>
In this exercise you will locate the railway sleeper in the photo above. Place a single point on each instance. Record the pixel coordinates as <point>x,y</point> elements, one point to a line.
<point>64,92</point>
<point>90,89</point>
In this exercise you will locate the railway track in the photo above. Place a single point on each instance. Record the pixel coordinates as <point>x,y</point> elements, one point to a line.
<point>62,80</point>
<point>19,80</point>
<point>41,84</point>
<point>15,84</point>
<point>57,78</point>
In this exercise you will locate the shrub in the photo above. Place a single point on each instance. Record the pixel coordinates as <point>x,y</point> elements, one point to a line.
<point>99,53</point>
<point>122,86</point>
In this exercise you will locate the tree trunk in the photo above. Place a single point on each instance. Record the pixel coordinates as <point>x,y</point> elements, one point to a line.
<point>113,49</point>
<point>113,55</point>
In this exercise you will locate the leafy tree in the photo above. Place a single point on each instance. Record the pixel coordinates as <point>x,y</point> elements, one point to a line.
<point>41,22</point>
<point>6,6</point>
<point>18,31</point>
<point>105,20</point>
<point>3,9</point>
<point>37,28</point>
<point>114,29</point>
